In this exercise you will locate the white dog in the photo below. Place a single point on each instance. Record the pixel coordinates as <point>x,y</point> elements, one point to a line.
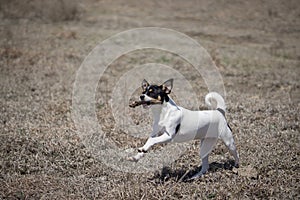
<point>173,123</point>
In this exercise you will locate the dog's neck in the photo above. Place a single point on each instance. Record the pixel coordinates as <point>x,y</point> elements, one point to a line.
<point>159,109</point>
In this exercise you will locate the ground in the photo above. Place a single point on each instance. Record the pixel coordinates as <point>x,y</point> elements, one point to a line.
<point>255,45</point>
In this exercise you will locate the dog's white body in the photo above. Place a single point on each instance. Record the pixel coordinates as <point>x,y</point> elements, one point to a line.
<point>173,123</point>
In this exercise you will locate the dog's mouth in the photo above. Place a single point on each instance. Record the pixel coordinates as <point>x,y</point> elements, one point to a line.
<point>146,104</point>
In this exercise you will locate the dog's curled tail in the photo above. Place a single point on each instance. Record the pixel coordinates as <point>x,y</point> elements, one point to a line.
<point>216,97</point>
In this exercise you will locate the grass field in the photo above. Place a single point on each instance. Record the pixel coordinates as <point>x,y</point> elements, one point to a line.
<point>255,45</point>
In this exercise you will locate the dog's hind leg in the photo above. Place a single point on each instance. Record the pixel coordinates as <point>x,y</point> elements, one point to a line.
<point>204,168</point>
<point>205,165</point>
<point>228,140</point>
<point>207,145</point>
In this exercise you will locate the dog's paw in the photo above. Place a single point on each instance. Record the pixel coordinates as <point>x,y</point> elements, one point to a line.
<point>132,159</point>
<point>196,176</point>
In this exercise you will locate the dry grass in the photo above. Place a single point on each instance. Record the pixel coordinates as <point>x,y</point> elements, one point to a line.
<point>41,155</point>
<point>43,10</point>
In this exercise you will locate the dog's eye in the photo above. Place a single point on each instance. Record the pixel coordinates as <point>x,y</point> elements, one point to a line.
<point>150,91</point>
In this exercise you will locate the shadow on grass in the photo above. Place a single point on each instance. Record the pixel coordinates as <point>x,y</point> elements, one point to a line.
<point>182,175</point>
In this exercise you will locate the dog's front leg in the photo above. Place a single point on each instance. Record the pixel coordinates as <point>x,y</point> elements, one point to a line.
<point>141,153</point>
<point>164,138</point>
<point>167,135</point>
<point>169,132</point>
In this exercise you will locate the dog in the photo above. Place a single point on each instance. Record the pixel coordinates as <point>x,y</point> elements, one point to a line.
<point>173,123</point>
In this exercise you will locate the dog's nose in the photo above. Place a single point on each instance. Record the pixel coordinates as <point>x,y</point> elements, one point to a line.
<point>142,97</point>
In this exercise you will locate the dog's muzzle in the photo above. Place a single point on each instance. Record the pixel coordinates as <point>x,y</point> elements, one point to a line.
<point>146,104</point>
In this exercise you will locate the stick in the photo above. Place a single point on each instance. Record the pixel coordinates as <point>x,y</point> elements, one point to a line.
<point>138,103</point>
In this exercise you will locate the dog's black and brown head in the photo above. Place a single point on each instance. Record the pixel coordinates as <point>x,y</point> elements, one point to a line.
<point>154,94</point>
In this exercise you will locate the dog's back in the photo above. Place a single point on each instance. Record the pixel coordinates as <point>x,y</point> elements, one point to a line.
<point>199,124</point>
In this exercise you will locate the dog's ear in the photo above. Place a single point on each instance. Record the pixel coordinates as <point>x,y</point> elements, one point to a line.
<point>167,86</point>
<point>145,84</point>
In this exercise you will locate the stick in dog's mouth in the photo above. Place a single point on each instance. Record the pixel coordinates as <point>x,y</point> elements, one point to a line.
<point>138,103</point>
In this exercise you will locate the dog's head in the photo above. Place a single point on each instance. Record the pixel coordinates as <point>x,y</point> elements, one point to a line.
<point>156,93</point>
